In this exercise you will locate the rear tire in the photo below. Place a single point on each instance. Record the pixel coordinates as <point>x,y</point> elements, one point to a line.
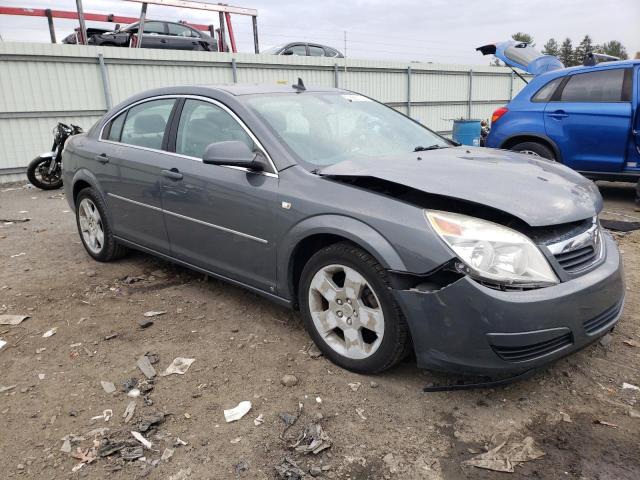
<point>535,149</point>
<point>40,179</point>
<point>370,333</point>
<point>94,229</point>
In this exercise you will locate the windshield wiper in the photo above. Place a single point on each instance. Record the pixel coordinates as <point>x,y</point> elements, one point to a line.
<point>420,148</point>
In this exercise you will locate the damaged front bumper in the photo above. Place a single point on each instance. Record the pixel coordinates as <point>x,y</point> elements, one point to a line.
<point>468,328</point>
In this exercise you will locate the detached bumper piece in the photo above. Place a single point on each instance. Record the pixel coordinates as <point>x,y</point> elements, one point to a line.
<point>485,382</point>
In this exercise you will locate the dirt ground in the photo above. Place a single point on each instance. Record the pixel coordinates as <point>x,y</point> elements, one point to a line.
<point>576,412</point>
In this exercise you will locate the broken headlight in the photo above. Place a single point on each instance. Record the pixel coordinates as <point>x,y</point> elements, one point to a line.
<point>491,252</point>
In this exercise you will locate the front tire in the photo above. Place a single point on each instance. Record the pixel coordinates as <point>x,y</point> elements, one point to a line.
<point>38,175</point>
<point>349,311</point>
<point>534,148</point>
<point>94,229</point>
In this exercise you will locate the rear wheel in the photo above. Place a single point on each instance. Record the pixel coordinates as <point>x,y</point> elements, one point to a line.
<point>349,310</point>
<point>534,148</point>
<point>39,176</point>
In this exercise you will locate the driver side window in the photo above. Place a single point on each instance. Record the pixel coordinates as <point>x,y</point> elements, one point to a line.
<point>203,123</point>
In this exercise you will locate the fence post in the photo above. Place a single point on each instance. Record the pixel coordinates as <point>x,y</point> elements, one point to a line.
<point>105,81</point>
<point>409,91</point>
<point>335,75</point>
<point>470,99</point>
<point>234,70</point>
<point>511,87</point>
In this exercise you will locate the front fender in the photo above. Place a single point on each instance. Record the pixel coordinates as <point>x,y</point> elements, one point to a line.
<point>349,228</point>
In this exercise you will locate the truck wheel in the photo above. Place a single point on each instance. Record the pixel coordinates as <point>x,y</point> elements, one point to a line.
<point>534,148</point>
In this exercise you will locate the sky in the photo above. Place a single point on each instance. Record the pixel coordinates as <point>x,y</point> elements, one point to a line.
<point>436,31</point>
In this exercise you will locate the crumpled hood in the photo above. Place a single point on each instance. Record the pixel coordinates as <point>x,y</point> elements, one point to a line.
<point>537,191</point>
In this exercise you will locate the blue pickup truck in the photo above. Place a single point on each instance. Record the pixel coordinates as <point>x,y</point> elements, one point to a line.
<point>584,117</point>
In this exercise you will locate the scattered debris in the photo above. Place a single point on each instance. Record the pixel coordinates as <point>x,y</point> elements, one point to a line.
<point>374,384</point>
<point>179,365</point>
<point>289,380</point>
<point>183,474</point>
<point>237,412</point>
<point>49,333</point>
<point>312,440</point>
<point>18,255</point>
<point>289,470</point>
<point>235,441</point>
<point>106,415</point>
<point>606,340</point>
<point>634,413</point>
<point>132,453</point>
<point>606,424</point>
<point>504,458</point>
<point>144,364</point>
<point>313,351</point>
<point>111,336</point>
<point>12,319</point>
<point>68,441</point>
<point>138,436</point>
<point>565,417</point>
<point>315,471</point>
<point>355,386</point>
<point>133,393</point>
<point>41,376</point>
<point>14,220</point>
<point>107,447</point>
<point>154,313</point>
<point>145,323</point>
<point>7,388</point>
<point>40,350</point>
<point>241,467</point>
<point>179,443</point>
<point>150,420</point>
<point>108,386</point>
<point>628,386</point>
<point>2,343</point>
<point>360,412</point>
<point>85,455</point>
<point>631,343</point>
<point>129,411</point>
<point>167,454</point>
<point>620,225</point>
<point>259,420</point>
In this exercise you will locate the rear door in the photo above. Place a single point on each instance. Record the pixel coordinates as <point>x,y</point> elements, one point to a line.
<point>589,119</point>
<point>154,35</point>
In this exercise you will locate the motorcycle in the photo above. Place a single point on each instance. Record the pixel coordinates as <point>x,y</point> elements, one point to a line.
<point>45,171</point>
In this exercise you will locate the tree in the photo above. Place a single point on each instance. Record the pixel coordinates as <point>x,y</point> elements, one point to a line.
<point>614,48</point>
<point>523,37</point>
<point>566,53</point>
<point>586,46</point>
<point>551,48</point>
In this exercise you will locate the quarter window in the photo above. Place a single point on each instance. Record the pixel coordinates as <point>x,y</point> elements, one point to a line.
<point>546,93</point>
<point>203,123</point>
<point>145,123</point>
<point>114,130</point>
<point>600,86</point>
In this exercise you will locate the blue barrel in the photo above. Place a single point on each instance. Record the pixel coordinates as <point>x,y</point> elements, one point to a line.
<point>467,132</point>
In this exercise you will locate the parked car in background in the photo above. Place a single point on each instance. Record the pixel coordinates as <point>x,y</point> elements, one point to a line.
<point>386,236</point>
<point>304,49</point>
<point>72,38</point>
<point>584,117</point>
<point>158,34</point>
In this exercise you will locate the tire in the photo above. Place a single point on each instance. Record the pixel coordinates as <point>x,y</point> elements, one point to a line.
<point>33,170</point>
<point>91,218</point>
<point>352,346</point>
<point>535,149</point>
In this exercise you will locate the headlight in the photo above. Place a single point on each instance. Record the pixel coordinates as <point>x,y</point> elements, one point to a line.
<point>492,252</point>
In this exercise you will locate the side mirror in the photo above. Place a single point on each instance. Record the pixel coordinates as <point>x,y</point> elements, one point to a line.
<point>234,154</point>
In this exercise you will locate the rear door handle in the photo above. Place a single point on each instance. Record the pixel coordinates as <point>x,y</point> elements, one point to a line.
<point>558,114</point>
<point>102,158</point>
<point>173,174</point>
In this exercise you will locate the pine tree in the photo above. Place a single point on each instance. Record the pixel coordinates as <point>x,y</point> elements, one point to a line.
<point>586,46</point>
<point>614,48</point>
<point>566,53</point>
<point>523,37</point>
<point>551,48</point>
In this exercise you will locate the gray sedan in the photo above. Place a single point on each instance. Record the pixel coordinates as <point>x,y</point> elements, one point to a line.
<point>386,236</point>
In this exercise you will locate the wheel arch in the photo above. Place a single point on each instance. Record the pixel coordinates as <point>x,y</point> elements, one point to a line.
<point>82,179</point>
<point>532,137</point>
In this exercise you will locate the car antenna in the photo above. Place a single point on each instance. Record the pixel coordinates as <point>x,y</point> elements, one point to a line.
<point>299,86</point>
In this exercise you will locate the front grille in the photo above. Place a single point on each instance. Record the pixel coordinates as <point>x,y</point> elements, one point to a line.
<point>576,260</point>
<point>602,321</point>
<point>523,353</point>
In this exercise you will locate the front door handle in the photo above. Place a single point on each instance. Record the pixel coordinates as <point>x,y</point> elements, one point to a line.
<point>558,114</point>
<point>173,174</point>
<point>102,158</point>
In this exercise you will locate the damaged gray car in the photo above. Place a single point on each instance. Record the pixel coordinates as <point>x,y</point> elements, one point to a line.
<point>386,236</point>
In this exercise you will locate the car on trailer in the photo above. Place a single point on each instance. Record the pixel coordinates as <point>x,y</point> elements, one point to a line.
<point>303,49</point>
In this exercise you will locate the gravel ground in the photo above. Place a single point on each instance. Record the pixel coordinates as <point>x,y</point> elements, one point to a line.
<point>576,412</point>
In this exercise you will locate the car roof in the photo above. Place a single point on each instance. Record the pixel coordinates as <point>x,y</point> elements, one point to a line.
<point>253,89</point>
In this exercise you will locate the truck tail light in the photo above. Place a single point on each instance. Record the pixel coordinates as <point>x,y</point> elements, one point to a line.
<point>498,114</point>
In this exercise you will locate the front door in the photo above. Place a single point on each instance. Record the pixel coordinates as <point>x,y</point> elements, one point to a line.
<point>589,119</point>
<point>134,156</point>
<point>219,218</point>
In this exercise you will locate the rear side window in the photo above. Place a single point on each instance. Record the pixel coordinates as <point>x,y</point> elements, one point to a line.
<point>546,92</point>
<point>601,86</point>
<point>316,51</point>
<point>180,31</point>
<point>145,123</point>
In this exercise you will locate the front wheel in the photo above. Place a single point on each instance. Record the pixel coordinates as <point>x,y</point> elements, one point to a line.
<point>39,176</point>
<point>534,148</point>
<point>349,311</point>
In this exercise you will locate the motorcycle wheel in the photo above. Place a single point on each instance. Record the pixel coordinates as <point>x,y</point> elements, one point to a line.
<point>39,176</point>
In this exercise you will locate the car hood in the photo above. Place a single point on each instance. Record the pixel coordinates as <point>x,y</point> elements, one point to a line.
<point>523,56</point>
<point>537,191</point>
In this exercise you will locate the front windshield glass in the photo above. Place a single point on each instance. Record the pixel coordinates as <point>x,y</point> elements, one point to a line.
<point>326,128</point>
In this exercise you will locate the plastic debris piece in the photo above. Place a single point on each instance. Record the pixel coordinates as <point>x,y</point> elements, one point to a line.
<point>154,313</point>
<point>108,386</point>
<point>131,453</point>
<point>12,319</point>
<point>628,386</point>
<point>355,386</point>
<point>138,436</point>
<point>167,454</point>
<point>606,424</point>
<point>129,411</point>
<point>312,440</point>
<point>289,470</point>
<point>50,333</point>
<point>360,412</point>
<point>108,447</point>
<point>18,255</point>
<point>237,412</point>
<point>241,467</point>
<point>106,415</point>
<point>133,393</point>
<point>41,376</point>
<point>145,367</point>
<point>180,365</point>
<point>504,458</point>
<point>7,388</point>
<point>150,420</point>
<point>2,343</point>
<point>259,420</point>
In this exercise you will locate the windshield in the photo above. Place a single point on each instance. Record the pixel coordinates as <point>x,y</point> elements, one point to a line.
<point>326,128</point>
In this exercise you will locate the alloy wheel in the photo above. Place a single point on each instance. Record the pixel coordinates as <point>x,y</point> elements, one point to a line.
<point>91,226</point>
